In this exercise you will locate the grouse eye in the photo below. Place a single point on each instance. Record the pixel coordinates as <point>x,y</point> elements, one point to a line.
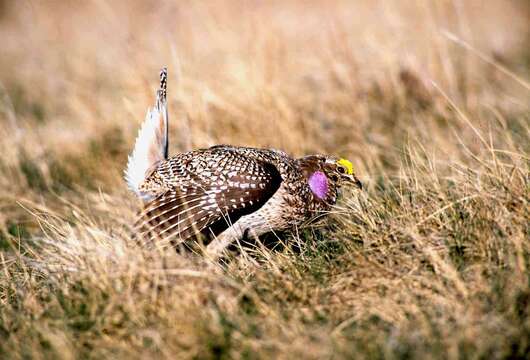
<point>341,169</point>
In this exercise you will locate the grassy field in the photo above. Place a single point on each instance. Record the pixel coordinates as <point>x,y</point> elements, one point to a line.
<point>429,99</point>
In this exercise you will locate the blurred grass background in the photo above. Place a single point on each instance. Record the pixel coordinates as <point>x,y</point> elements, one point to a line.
<point>429,99</point>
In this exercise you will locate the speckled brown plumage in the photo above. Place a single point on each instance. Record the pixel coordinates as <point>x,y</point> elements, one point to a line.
<point>220,193</point>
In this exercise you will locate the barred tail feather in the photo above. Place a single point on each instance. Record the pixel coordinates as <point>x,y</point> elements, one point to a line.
<point>151,144</point>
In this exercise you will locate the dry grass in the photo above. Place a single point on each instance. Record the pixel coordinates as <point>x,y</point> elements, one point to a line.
<point>429,99</point>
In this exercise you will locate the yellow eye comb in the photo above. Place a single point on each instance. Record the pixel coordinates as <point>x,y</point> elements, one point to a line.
<point>347,164</point>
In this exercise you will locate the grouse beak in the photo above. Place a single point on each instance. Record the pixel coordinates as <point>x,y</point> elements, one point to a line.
<point>353,180</point>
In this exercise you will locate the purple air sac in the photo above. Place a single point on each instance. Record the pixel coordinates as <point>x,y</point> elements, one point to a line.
<point>318,183</point>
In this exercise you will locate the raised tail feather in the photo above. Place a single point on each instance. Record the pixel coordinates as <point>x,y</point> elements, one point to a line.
<point>151,144</point>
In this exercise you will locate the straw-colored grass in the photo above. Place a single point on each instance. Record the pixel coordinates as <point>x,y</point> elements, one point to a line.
<point>429,99</point>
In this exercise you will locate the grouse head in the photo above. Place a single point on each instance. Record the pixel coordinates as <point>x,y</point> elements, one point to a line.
<point>326,175</point>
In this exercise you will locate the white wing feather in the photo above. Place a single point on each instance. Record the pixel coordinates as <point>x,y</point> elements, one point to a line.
<point>151,144</point>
